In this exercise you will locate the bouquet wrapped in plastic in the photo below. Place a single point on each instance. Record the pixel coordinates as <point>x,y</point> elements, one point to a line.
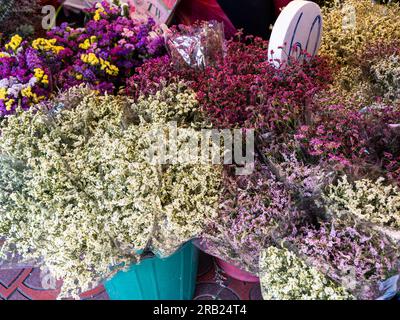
<point>257,209</point>
<point>196,46</point>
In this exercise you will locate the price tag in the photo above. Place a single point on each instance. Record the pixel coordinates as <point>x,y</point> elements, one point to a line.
<point>297,29</point>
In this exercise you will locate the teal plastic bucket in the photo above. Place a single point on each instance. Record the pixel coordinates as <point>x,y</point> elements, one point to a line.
<point>172,278</point>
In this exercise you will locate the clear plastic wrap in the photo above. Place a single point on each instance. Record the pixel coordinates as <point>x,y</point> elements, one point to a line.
<point>197,46</point>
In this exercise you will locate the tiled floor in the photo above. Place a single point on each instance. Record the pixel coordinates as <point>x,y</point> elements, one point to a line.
<point>25,284</point>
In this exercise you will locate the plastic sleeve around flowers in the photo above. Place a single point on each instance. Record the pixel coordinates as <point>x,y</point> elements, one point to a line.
<point>197,47</point>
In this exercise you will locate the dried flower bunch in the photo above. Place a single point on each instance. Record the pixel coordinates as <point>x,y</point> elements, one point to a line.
<point>284,276</point>
<point>355,138</point>
<point>373,75</point>
<point>350,28</point>
<point>103,54</point>
<point>253,211</point>
<point>372,201</point>
<point>25,78</point>
<point>386,74</point>
<point>379,71</point>
<point>259,210</point>
<point>350,253</point>
<point>107,50</point>
<point>85,198</point>
<point>244,89</point>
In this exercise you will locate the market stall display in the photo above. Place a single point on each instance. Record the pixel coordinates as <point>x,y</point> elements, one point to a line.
<point>87,192</point>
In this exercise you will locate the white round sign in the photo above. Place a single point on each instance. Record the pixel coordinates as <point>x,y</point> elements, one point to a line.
<point>297,29</point>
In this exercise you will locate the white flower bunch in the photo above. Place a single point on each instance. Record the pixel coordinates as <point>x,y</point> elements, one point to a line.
<point>372,201</point>
<point>386,73</point>
<point>79,192</point>
<point>286,277</point>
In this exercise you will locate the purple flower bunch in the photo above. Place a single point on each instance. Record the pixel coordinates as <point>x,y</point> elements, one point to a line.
<point>254,211</point>
<point>103,55</point>
<point>107,50</point>
<point>25,78</point>
<point>259,210</point>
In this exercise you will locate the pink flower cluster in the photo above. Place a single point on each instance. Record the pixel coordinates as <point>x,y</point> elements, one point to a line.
<point>349,252</point>
<point>355,138</point>
<point>255,211</point>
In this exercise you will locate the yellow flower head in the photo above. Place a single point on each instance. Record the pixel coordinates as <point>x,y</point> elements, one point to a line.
<point>109,68</point>
<point>3,93</point>
<point>27,92</point>
<point>90,59</point>
<point>14,43</point>
<point>9,104</point>
<point>97,14</point>
<point>47,45</point>
<point>88,42</point>
<point>41,76</point>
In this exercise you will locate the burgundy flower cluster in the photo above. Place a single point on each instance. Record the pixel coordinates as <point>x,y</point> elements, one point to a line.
<point>243,89</point>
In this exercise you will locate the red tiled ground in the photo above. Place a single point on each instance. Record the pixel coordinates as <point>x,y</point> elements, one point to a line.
<point>25,284</point>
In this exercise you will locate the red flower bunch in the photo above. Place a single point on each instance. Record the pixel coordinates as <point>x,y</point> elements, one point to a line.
<point>244,89</point>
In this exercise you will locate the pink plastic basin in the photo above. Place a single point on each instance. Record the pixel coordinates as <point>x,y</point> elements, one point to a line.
<point>236,273</point>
